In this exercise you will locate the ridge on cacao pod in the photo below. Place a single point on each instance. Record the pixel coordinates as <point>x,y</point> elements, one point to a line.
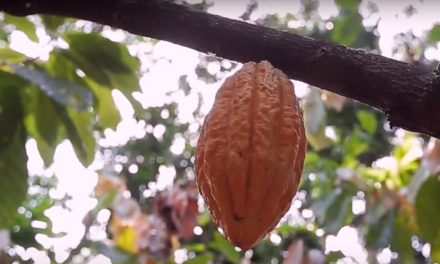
<point>250,153</point>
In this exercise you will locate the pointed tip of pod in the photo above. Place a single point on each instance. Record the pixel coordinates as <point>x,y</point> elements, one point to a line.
<point>247,242</point>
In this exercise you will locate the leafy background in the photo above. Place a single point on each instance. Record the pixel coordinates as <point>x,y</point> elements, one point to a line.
<point>98,129</point>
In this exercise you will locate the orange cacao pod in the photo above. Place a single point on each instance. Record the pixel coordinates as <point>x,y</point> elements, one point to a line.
<point>250,153</point>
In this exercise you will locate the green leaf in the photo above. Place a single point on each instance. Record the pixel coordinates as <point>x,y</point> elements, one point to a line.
<point>199,247</point>
<point>285,229</point>
<point>380,233</point>
<point>106,62</point>
<point>435,250</point>
<point>43,123</point>
<point>334,256</point>
<point>13,159</point>
<point>4,36</point>
<point>355,144</point>
<point>223,246</point>
<point>204,218</point>
<point>348,4</point>
<point>79,130</point>
<point>367,120</point>
<point>52,22</point>
<point>434,34</point>
<point>376,175</point>
<point>347,29</point>
<point>64,92</point>
<point>60,66</point>
<point>321,205</point>
<point>23,24</point>
<point>13,180</point>
<point>334,210</point>
<point>201,259</point>
<point>339,214</point>
<point>10,108</point>
<point>108,114</point>
<point>428,210</point>
<point>10,56</point>
<point>11,80</point>
<point>404,230</point>
<point>36,204</point>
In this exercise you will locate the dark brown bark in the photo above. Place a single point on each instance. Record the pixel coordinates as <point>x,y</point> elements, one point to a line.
<point>407,94</point>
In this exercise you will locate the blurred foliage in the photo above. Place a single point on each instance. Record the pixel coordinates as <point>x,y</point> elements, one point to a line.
<point>360,174</point>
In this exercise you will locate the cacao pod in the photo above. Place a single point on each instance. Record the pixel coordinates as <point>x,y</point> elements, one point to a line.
<point>250,153</point>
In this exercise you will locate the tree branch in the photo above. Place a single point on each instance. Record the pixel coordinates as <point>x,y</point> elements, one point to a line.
<point>407,94</point>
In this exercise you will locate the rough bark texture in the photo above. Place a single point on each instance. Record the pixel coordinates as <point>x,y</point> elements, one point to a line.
<point>407,94</point>
<point>250,153</point>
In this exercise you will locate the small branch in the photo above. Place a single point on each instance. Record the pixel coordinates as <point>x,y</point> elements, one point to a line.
<point>405,93</point>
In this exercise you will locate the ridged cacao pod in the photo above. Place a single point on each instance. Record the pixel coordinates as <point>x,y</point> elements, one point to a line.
<point>250,153</point>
